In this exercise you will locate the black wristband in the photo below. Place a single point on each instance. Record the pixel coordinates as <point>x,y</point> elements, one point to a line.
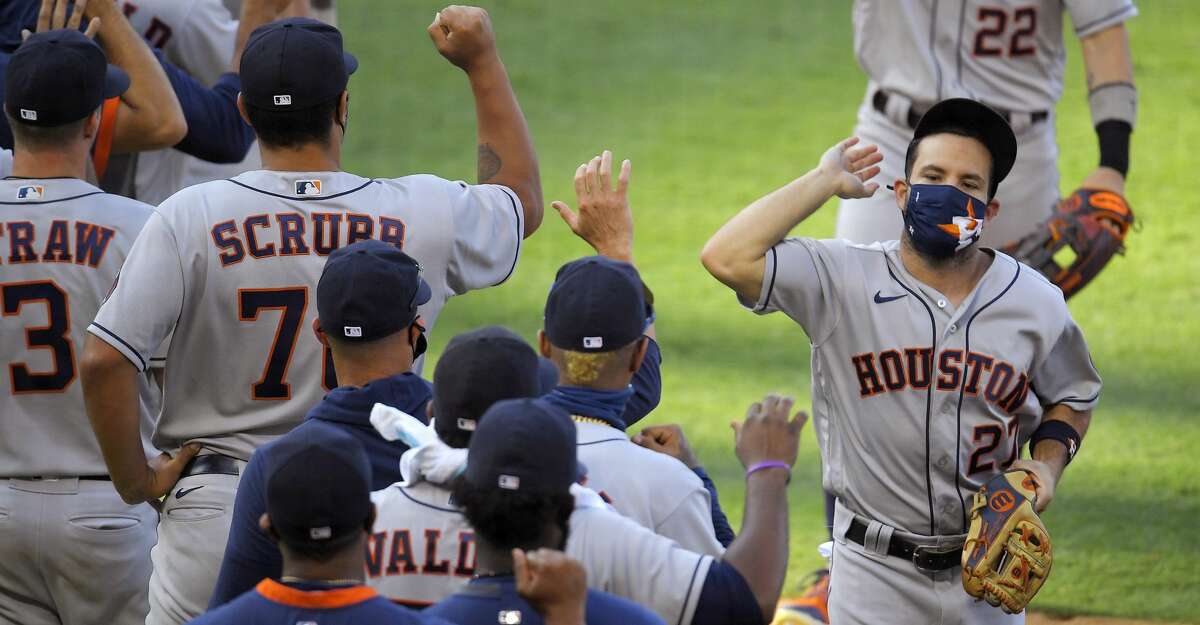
<point>1114,144</point>
<point>1060,431</point>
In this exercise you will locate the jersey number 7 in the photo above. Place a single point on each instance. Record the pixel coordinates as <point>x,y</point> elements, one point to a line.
<point>291,302</point>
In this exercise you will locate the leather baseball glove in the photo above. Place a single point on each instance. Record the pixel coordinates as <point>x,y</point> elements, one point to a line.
<point>1092,223</point>
<point>1006,558</point>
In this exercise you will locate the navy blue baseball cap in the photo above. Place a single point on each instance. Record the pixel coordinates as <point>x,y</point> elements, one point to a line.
<point>369,290</point>
<point>58,77</point>
<point>294,64</point>
<point>318,486</point>
<point>596,304</point>
<point>525,446</point>
<point>997,134</point>
<point>478,369</point>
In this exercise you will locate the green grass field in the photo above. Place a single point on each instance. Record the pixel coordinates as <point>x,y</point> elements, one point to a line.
<point>717,103</point>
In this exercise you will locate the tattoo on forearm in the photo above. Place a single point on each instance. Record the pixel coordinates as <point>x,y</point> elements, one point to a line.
<point>488,163</point>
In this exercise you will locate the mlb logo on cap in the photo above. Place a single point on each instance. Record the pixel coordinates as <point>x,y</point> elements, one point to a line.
<point>320,533</point>
<point>593,342</point>
<point>31,192</point>
<point>352,331</point>
<point>509,482</point>
<point>308,187</point>
<point>29,115</point>
<point>467,425</point>
<point>283,100</point>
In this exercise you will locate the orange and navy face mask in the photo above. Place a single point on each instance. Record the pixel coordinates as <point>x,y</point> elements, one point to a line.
<point>942,220</point>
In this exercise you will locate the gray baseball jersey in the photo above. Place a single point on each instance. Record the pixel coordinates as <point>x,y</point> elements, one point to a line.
<point>654,489</point>
<point>1007,53</point>
<point>63,242</point>
<point>231,268</point>
<point>917,402</point>
<point>422,550</point>
<point>197,36</point>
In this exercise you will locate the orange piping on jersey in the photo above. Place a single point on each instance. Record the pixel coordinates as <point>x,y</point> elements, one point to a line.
<point>314,599</point>
<point>104,139</point>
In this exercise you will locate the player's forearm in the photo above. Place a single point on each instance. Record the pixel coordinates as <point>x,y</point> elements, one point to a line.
<point>1107,57</point>
<point>760,551</point>
<point>505,148</point>
<point>111,398</point>
<point>150,116</point>
<point>1112,98</point>
<point>1054,453</point>
<point>735,255</point>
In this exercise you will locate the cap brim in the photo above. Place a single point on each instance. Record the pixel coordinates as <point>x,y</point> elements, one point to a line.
<point>116,82</point>
<point>963,112</point>
<point>350,61</point>
<point>424,293</point>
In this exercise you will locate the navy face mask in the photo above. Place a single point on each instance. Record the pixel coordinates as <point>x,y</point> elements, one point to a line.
<point>941,220</point>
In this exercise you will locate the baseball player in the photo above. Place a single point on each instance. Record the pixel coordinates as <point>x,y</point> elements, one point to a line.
<point>418,527</point>
<point>1008,54</point>
<point>934,360</point>
<point>70,550</point>
<point>230,268</point>
<point>515,499</point>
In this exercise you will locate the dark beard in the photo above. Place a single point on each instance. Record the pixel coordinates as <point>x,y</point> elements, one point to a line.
<point>953,262</point>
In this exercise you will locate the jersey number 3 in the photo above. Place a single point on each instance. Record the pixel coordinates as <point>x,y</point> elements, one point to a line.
<point>291,302</point>
<point>55,336</point>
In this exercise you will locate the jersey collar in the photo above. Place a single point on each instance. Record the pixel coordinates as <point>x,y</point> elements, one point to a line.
<point>314,599</point>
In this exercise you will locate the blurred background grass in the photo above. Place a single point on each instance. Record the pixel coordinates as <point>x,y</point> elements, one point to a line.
<point>718,103</point>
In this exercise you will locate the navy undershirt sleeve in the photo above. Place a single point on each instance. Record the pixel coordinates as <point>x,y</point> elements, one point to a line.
<point>647,386</point>
<point>721,525</point>
<point>216,131</point>
<point>250,555</point>
<point>726,598</point>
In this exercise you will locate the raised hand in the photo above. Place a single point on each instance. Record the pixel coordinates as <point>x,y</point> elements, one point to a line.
<point>53,15</point>
<point>669,440</point>
<point>767,435</point>
<point>604,219</point>
<point>849,168</point>
<point>463,34</point>
<point>555,585</point>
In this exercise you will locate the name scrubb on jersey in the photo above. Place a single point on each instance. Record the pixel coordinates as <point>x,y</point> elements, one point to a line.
<point>268,235</point>
<point>393,553</point>
<point>912,368</point>
<point>65,241</point>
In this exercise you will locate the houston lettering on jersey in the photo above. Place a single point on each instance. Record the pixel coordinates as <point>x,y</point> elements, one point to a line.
<point>293,234</point>
<point>913,368</point>
<point>402,552</point>
<point>65,241</point>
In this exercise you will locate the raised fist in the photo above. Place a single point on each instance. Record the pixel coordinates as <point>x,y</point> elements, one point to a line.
<point>463,35</point>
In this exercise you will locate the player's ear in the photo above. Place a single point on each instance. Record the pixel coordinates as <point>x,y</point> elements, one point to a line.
<point>543,344</point>
<point>993,209</point>
<point>241,104</point>
<point>264,523</point>
<point>343,110</point>
<point>91,124</point>
<point>319,332</point>
<point>901,191</point>
<point>639,354</point>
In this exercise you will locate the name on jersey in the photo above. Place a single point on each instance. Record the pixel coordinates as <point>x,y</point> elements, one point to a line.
<point>64,241</point>
<point>392,553</point>
<point>294,234</point>
<point>912,368</point>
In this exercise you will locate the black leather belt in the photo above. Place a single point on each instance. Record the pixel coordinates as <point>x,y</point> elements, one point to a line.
<point>879,102</point>
<point>926,558</point>
<point>210,464</point>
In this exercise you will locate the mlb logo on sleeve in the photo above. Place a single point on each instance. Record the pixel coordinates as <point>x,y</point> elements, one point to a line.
<point>30,192</point>
<point>308,187</point>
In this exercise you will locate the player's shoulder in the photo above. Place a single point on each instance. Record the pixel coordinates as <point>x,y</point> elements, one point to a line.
<point>418,183</point>
<point>661,468</point>
<point>423,498</point>
<point>603,607</point>
<point>1029,286</point>
<point>187,198</point>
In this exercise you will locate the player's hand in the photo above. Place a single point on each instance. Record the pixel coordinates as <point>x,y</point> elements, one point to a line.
<point>164,471</point>
<point>555,585</point>
<point>463,34</point>
<point>1043,476</point>
<point>1105,179</point>
<point>767,435</point>
<point>849,168</point>
<point>53,15</point>
<point>669,440</point>
<point>604,219</point>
